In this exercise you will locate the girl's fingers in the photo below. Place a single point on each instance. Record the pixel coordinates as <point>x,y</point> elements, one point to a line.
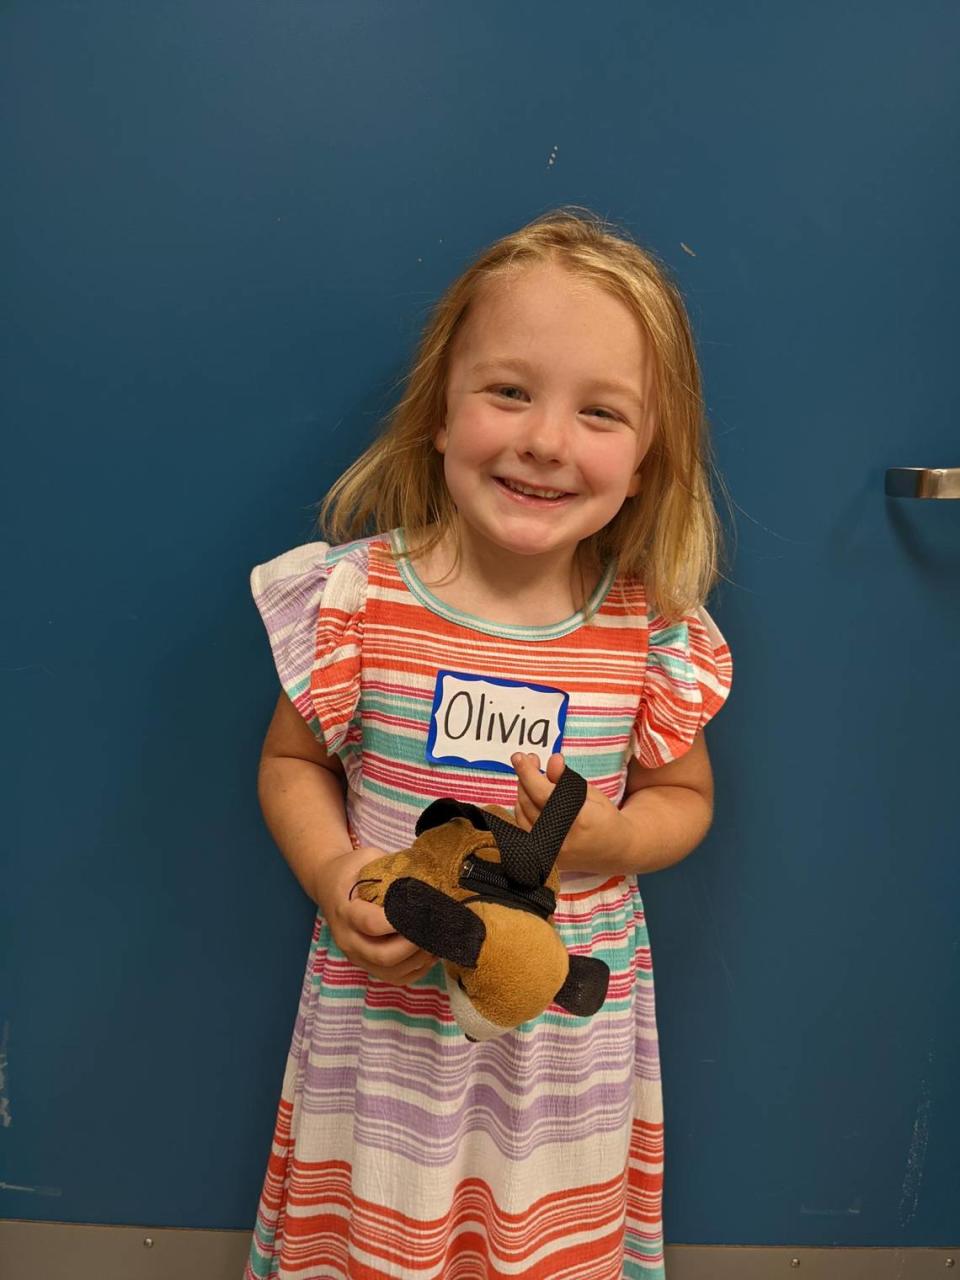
<point>403,975</point>
<point>367,918</point>
<point>526,765</point>
<point>533,789</point>
<point>377,952</point>
<point>419,970</point>
<point>524,813</point>
<point>391,952</point>
<point>555,767</point>
<point>536,784</point>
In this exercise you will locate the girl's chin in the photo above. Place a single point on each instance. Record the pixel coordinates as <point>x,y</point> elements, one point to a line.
<point>521,531</point>
<point>508,542</point>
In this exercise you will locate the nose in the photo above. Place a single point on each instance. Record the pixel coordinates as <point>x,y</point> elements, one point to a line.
<point>544,436</point>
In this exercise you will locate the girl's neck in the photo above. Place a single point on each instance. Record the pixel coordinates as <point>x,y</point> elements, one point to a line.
<point>517,590</point>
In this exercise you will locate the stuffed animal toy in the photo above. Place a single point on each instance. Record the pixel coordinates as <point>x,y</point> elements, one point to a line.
<point>479,893</point>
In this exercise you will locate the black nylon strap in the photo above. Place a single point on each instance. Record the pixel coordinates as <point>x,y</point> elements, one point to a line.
<point>528,856</point>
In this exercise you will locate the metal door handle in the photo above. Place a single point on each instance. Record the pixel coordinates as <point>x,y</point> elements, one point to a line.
<point>923,482</point>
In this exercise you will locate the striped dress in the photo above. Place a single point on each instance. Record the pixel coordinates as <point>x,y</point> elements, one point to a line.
<point>401,1149</point>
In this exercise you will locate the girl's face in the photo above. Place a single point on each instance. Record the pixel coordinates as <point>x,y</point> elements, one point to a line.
<point>549,390</point>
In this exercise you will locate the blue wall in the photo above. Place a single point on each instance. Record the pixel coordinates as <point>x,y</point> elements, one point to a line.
<point>227,223</point>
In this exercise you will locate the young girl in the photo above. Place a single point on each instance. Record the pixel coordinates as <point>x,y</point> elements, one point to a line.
<point>549,535</point>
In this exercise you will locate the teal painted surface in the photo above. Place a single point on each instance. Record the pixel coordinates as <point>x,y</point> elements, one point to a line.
<point>227,223</point>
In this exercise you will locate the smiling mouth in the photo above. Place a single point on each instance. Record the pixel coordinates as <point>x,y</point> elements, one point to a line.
<point>530,492</point>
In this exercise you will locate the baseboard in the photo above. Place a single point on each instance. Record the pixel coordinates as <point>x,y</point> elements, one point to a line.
<point>751,1262</point>
<point>67,1251</point>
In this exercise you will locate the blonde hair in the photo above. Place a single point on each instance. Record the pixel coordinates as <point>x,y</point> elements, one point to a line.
<point>669,533</point>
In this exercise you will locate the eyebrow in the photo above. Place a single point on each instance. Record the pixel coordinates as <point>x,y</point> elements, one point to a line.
<point>524,366</point>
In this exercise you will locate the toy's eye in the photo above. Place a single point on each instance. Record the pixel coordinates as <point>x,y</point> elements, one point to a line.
<point>461,986</point>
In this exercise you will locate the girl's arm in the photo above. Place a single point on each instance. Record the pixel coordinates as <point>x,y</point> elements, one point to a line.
<point>665,814</point>
<point>669,809</point>
<point>301,793</point>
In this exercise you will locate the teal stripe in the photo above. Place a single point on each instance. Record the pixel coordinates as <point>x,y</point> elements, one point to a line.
<point>296,687</point>
<point>409,748</point>
<point>336,554</point>
<point>395,704</point>
<point>262,1255</point>
<point>675,637</point>
<point>394,1017</point>
<point>580,726</point>
<point>595,765</point>
<point>393,746</point>
<point>427,1022</point>
<point>634,1269</point>
<point>399,799</point>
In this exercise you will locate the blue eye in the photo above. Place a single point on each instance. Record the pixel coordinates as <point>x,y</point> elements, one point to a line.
<point>597,412</point>
<point>505,391</point>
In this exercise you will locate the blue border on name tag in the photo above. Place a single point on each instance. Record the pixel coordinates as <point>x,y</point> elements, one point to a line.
<point>494,766</point>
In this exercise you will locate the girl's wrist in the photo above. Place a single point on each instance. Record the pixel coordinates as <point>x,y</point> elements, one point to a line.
<point>609,848</point>
<point>326,874</point>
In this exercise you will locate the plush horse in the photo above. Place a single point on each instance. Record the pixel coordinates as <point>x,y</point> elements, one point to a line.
<point>479,893</point>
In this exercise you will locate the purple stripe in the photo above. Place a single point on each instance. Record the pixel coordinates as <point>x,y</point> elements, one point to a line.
<point>393,1124</point>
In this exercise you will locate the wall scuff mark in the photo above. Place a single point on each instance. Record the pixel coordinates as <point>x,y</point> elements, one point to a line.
<point>6,1119</point>
<point>917,1154</point>
<point>34,1191</point>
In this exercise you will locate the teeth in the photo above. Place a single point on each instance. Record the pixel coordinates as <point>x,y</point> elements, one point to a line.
<point>534,493</point>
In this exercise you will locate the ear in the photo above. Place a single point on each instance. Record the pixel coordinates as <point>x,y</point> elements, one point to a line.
<point>633,488</point>
<point>439,925</point>
<point>586,986</point>
<point>441,811</point>
<point>440,439</point>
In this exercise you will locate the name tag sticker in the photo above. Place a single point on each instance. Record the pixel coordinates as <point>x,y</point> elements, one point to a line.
<point>482,721</point>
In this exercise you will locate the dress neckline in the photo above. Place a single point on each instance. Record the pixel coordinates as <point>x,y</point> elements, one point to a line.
<point>425,596</point>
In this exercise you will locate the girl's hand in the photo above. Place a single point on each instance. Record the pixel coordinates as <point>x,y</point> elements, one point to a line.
<point>361,929</point>
<point>599,826</point>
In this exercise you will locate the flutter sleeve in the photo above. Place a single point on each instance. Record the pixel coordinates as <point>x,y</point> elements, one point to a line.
<point>312,603</point>
<point>688,677</point>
